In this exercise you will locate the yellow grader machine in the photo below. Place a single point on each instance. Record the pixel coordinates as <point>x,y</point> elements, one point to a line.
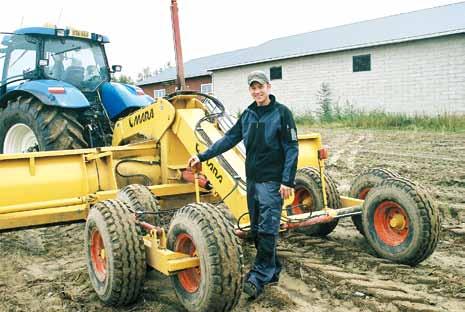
<point>128,195</point>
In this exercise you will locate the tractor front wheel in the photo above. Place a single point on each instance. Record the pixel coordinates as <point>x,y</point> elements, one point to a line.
<point>400,221</point>
<point>203,230</point>
<point>27,125</point>
<point>115,253</point>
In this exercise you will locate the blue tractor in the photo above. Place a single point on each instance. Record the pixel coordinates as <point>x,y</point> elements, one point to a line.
<point>56,91</point>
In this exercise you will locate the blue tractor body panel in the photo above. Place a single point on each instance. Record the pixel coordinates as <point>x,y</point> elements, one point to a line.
<point>71,98</point>
<point>118,97</point>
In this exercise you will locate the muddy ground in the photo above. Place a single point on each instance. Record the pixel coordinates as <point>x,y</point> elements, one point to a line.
<point>44,270</point>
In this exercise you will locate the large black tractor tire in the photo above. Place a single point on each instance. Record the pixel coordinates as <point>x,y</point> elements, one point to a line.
<point>308,192</point>
<point>203,230</point>
<point>115,253</point>
<point>54,128</point>
<point>363,183</point>
<point>400,221</point>
<point>141,199</point>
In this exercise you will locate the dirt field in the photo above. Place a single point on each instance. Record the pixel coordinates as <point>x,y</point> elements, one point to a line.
<point>44,270</point>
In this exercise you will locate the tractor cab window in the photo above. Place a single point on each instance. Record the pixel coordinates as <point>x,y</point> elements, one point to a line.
<point>18,55</point>
<point>78,62</point>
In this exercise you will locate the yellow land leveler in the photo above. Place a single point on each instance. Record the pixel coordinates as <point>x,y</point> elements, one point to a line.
<point>128,196</point>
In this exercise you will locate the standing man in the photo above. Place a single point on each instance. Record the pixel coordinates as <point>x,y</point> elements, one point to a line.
<point>270,137</point>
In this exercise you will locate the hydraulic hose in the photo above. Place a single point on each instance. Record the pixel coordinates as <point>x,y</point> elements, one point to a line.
<point>143,176</point>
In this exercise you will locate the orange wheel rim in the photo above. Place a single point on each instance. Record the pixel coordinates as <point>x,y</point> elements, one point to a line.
<point>303,201</point>
<point>391,223</point>
<point>363,193</point>
<point>98,256</point>
<point>190,278</point>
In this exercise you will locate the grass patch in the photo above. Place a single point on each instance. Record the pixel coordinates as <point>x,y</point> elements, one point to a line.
<point>383,120</point>
<point>333,114</point>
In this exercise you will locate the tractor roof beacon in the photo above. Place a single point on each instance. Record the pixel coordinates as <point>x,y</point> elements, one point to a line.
<point>56,91</point>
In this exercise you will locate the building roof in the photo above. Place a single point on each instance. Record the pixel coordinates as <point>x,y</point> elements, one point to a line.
<point>422,24</point>
<point>193,68</point>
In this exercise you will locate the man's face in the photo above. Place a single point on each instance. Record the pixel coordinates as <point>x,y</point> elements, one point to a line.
<point>260,92</point>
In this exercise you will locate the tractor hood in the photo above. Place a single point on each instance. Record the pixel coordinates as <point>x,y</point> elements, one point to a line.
<point>118,98</point>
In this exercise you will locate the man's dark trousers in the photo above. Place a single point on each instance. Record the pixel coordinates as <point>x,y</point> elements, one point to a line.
<point>265,203</point>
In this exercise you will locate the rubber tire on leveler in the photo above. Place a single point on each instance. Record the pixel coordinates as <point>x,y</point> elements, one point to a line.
<point>308,181</point>
<point>203,229</point>
<point>418,239</point>
<point>55,128</point>
<point>140,198</point>
<point>111,225</point>
<point>362,185</point>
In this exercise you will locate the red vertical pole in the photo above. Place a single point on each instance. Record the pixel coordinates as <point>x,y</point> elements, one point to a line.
<point>180,81</point>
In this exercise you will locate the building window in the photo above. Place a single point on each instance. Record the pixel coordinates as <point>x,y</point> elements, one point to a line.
<point>159,93</point>
<point>276,72</point>
<point>361,63</point>
<point>206,88</point>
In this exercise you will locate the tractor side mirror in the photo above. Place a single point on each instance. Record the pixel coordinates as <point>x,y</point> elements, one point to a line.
<point>116,68</point>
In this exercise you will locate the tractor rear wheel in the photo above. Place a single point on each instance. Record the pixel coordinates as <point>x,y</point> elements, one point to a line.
<point>203,230</point>
<point>27,125</point>
<point>363,183</point>
<point>115,253</point>
<point>308,197</point>
<point>400,221</point>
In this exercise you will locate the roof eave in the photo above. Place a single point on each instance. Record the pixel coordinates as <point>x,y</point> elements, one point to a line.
<point>352,47</point>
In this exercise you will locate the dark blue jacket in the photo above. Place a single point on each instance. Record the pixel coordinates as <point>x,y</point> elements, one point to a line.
<point>270,139</point>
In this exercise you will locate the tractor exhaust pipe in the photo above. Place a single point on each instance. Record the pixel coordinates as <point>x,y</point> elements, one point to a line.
<point>180,81</point>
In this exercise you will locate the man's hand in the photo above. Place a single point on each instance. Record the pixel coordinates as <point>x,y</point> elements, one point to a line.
<point>285,191</point>
<point>193,161</point>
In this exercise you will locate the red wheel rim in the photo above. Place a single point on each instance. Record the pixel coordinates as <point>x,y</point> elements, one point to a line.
<point>98,255</point>
<point>190,278</point>
<point>303,201</point>
<point>391,223</point>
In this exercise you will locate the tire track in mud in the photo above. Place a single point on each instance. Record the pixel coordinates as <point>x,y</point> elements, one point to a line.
<point>343,269</point>
<point>343,156</point>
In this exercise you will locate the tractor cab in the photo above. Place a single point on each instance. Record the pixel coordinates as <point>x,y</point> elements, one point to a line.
<point>77,62</point>
<point>75,57</point>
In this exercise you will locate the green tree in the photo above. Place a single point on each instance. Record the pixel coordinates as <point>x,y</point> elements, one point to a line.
<point>123,79</point>
<point>324,101</point>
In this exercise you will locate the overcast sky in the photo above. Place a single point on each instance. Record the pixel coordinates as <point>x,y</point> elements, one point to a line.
<point>141,35</point>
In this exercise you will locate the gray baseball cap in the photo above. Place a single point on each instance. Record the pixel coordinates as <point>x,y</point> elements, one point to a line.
<point>257,76</point>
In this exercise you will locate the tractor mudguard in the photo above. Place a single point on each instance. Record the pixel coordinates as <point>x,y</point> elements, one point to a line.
<point>118,97</point>
<point>72,97</point>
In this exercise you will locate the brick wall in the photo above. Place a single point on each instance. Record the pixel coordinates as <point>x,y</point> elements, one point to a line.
<point>170,86</point>
<point>418,76</point>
